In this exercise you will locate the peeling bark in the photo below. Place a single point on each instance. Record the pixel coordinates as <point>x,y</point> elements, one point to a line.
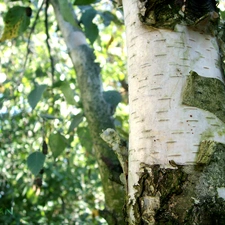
<point>184,195</point>
<point>205,93</point>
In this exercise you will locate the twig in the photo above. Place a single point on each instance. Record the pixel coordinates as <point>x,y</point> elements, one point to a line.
<point>31,31</point>
<point>47,42</point>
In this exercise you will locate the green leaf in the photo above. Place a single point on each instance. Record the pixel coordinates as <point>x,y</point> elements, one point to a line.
<point>91,32</point>
<point>68,93</point>
<point>83,2</point>
<point>39,72</point>
<point>222,14</point>
<point>108,17</point>
<point>35,162</point>
<point>112,97</point>
<point>35,95</point>
<point>57,143</point>
<point>16,20</point>
<point>85,138</point>
<point>91,29</point>
<point>25,1</point>
<point>75,122</point>
<point>66,12</point>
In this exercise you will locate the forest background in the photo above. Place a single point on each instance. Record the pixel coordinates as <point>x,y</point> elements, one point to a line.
<point>48,170</point>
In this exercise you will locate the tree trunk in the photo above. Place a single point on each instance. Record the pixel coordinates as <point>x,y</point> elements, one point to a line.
<point>177,114</point>
<point>97,112</point>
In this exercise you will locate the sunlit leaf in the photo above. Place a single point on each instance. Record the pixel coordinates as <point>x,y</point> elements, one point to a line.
<point>27,1</point>
<point>35,162</point>
<point>68,93</point>
<point>91,32</point>
<point>91,29</point>
<point>16,21</point>
<point>30,194</point>
<point>57,143</point>
<point>35,95</point>
<point>66,12</point>
<point>222,14</point>
<point>85,138</point>
<point>75,122</point>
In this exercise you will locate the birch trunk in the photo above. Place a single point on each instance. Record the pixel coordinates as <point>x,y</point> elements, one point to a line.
<point>176,148</point>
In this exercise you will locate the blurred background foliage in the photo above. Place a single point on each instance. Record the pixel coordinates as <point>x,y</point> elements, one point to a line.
<point>41,111</point>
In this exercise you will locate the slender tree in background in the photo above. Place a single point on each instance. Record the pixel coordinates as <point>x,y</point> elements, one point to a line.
<point>97,111</point>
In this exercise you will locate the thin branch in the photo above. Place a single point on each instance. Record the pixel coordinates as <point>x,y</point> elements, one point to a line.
<point>31,31</point>
<point>47,41</point>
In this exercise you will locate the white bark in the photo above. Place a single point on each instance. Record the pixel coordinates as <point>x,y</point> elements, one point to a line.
<point>161,128</point>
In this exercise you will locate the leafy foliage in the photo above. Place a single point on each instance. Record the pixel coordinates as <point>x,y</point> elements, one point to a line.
<point>68,93</point>
<point>84,2</point>
<point>76,120</point>
<point>66,12</point>
<point>49,173</point>
<point>35,95</point>
<point>91,29</point>
<point>17,20</point>
<point>112,97</point>
<point>35,162</point>
<point>57,143</point>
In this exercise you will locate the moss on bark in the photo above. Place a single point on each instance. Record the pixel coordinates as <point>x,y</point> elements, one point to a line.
<point>205,93</point>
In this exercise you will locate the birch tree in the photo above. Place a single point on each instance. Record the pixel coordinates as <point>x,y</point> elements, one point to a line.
<point>176,96</point>
<point>176,161</point>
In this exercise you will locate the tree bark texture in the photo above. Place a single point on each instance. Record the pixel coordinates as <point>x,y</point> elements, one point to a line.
<point>177,115</point>
<point>97,112</point>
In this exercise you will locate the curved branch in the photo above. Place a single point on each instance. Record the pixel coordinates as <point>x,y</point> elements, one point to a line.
<point>96,110</point>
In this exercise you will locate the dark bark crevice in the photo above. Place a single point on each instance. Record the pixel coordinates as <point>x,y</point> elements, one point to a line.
<point>199,15</point>
<point>187,194</point>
